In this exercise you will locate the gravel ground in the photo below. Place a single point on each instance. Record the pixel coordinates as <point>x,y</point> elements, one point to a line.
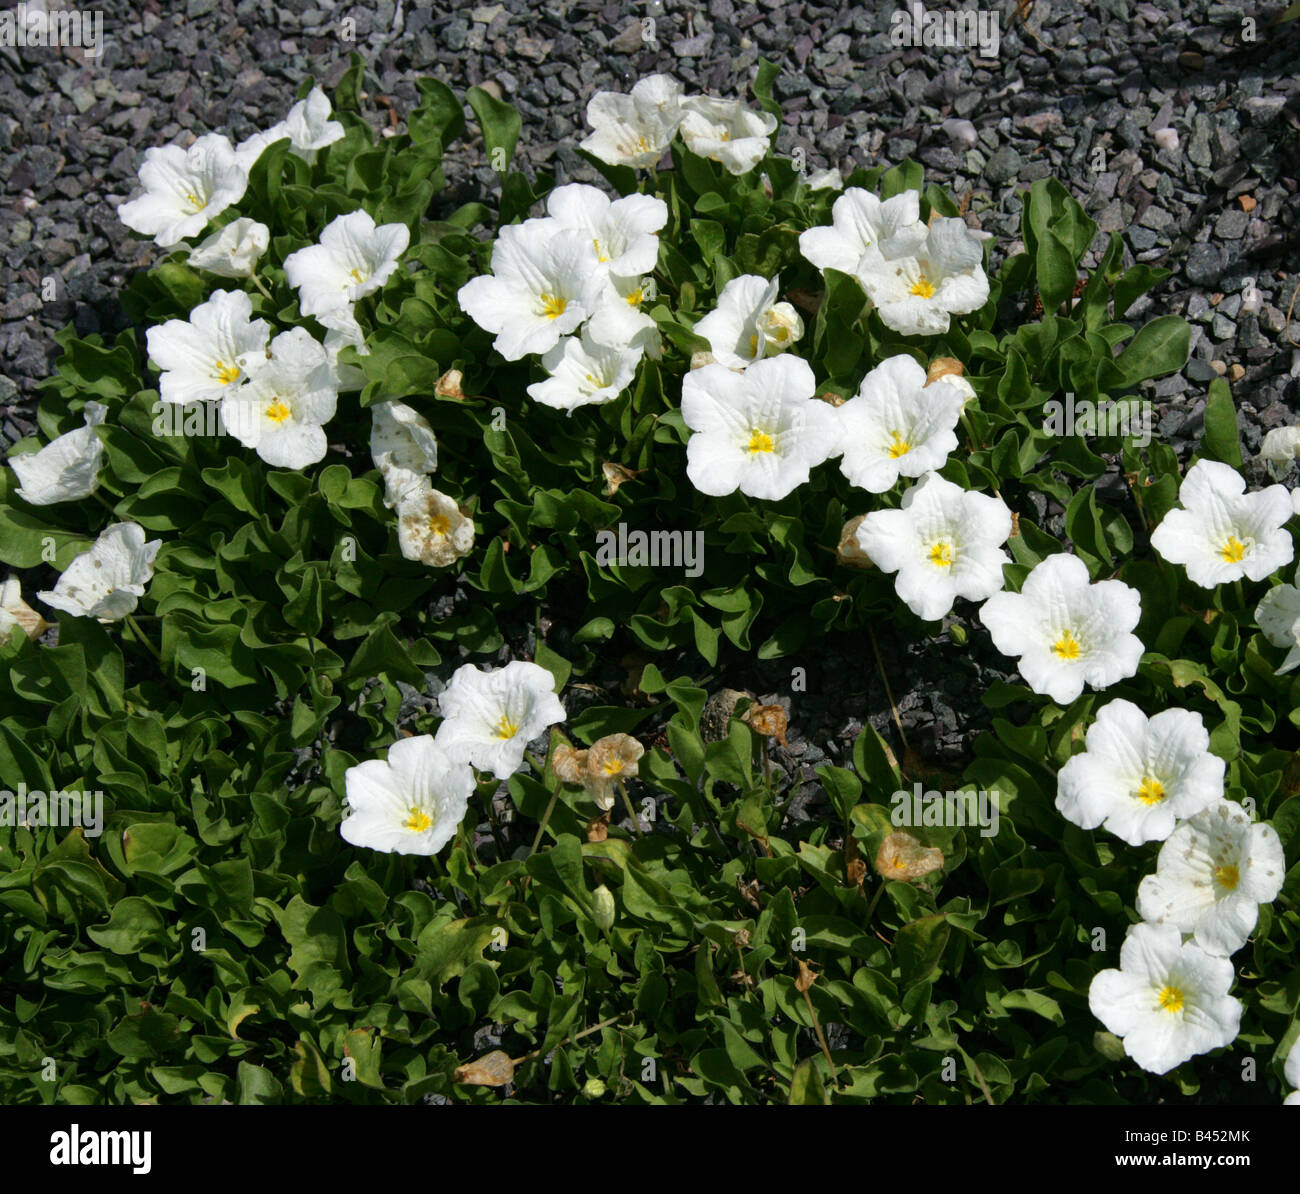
<point>1175,124</point>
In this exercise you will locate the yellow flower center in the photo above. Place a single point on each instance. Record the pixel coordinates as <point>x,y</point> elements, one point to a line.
<point>753,345</point>
<point>440,524</point>
<point>724,135</point>
<point>278,411</point>
<point>634,299</point>
<point>506,728</point>
<point>941,554</point>
<point>418,821</point>
<point>1067,646</point>
<point>227,373</point>
<point>1171,1000</point>
<point>759,441</point>
<point>898,445</point>
<point>923,288</point>
<point>1233,551</point>
<point>356,276</point>
<point>553,305</point>
<point>613,766</point>
<point>1151,790</point>
<point>1227,876</point>
<point>642,144</point>
<point>600,256</point>
<point>196,204</point>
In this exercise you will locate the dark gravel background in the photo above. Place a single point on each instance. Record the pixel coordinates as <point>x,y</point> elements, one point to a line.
<point>1168,121</point>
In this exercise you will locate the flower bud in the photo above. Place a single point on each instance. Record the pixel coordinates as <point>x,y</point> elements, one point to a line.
<point>602,906</point>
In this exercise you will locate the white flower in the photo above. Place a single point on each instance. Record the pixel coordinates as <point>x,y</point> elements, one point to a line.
<point>1278,616</point>
<point>403,447</point>
<point>67,468</point>
<point>726,131</point>
<point>1292,1066</point>
<point>234,251</point>
<point>1168,1001</point>
<point>200,360</point>
<point>251,148</point>
<point>825,180</point>
<point>1213,873</point>
<point>748,323</point>
<point>621,233</point>
<point>618,320</point>
<point>185,189</point>
<point>636,129</point>
<point>1281,445</point>
<point>1140,775</point>
<point>343,331</point>
<point>353,259</point>
<point>106,581</point>
<point>760,431</point>
<point>491,716</point>
<point>288,397</point>
<point>1065,631</point>
<point>14,611</point>
<point>864,226</point>
<point>410,803</point>
<point>943,542</point>
<point>1223,533</point>
<point>431,528</point>
<point>897,425</point>
<point>916,294</point>
<point>309,127</point>
<point>584,373</point>
<point>542,286</point>
<point>1292,1100</point>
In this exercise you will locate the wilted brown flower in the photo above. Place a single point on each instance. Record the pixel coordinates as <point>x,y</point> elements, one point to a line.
<point>700,359</point>
<point>449,385</point>
<point>616,475</point>
<point>569,765</point>
<point>849,553</point>
<point>942,367</point>
<point>832,399</point>
<point>14,611</point>
<point>611,760</point>
<point>768,720</point>
<point>492,1069</point>
<point>901,856</point>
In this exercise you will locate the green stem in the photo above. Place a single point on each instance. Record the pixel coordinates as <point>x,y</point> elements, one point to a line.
<point>546,816</point>
<point>875,899</point>
<point>257,281</point>
<point>627,800</point>
<point>144,642</point>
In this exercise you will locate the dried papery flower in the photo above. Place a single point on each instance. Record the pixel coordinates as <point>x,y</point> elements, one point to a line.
<point>718,711</point>
<point>450,384</point>
<point>831,398</point>
<point>768,720</point>
<point>850,553</point>
<point>700,359</point>
<point>901,856</point>
<point>492,1069</point>
<point>569,765</point>
<point>616,475</point>
<point>942,367</point>
<point>611,761</point>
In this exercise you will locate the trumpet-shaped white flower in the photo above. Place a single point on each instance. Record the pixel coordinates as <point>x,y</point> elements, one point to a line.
<point>431,527</point>
<point>748,323</point>
<point>542,286</point>
<point>184,189</point>
<point>618,320</point>
<point>1168,1001</point>
<point>727,132</point>
<point>280,412</point>
<point>353,259</point>
<point>491,716</point>
<point>1065,631</point>
<point>200,359</point>
<point>760,431</point>
<point>410,803</point>
<point>1281,445</point>
<point>635,129</point>
<point>67,468</point>
<point>917,294</point>
<point>234,251</point>
<point>343,331</point>
<point>1223,533</point>
<point>944,542</point>
<point>864,226</point>
<point>1213,873</point>
<point>107,581</point>
<point>897,425</point>
<point>14,611</point>
<point>622,233</point>
<point>309,127</point>
<point>403,447</point>
<point>251,148</point>
<point>584,373</point>
<point>1140,775</point>
<point>1278,616</point>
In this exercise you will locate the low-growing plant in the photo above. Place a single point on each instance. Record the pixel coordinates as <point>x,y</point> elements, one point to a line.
<point>625,441</point>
